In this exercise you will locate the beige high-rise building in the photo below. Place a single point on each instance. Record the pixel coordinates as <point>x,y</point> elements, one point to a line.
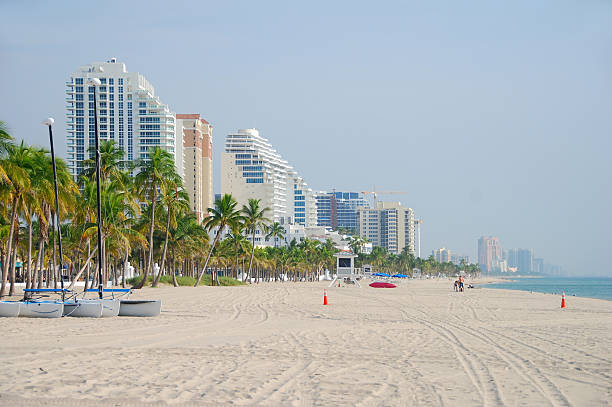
<point>389,225</point>
<point>197,161</point>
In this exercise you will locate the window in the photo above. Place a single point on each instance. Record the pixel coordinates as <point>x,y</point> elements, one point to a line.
<point>78,89</point>
<point>111,81</point>
<point>142,104</point>
<point>79,112</point>
<point>103,81</point>
<point>111,89</point>
<point>102,88</point>
<point>242,162</point>
<point>78,81</point>
<point>79,105</point>
<point>142,112</point>
<point>79,96</point>
<point>120,82</point>
<point>254,181</point>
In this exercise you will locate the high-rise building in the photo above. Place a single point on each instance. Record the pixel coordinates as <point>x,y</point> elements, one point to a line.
<point>251,168</point>
<point>389,225</point>
<point>197,161</point>
<point>442,255</point>
<point>525,261</point>
<point>489,250</point>
<point>129,113</point>
<point>339,209</point>
<point>538,265</point>
<point>304,203</point>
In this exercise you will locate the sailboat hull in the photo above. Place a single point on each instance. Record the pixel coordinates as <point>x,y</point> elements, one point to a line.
<point>140,308</point>
<point>43,309</point>
<point>110,308</point>
<point>9,308</point>
<point>83,309</point>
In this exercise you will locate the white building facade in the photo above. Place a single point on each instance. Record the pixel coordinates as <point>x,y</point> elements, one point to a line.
<point>389,225</point>
<point>252,168</point>
<point>129,113</point>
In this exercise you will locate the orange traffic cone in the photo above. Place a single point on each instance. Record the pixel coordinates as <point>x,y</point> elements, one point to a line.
<point>325,297</point>
<point>563,300</point>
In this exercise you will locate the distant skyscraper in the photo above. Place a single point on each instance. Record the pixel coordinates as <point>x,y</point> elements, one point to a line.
<point>525,261</point>
<point>339,209</point>
<point>251,168</point>
<point>538,265</point>
<point>489,250</point>
<point>128,113</point>
<point>389,225</point>
<point>304,204</point>
<point>442,255</point>
<point>196,136</point>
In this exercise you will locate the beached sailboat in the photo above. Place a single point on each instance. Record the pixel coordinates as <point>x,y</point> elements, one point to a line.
<point>10,308</point>
<point>80,308</point>
<point>41,309</point>
<point>140,308</point>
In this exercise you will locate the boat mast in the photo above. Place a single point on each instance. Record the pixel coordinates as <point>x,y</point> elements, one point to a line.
<point>95,82</point>
<point>49,123</point>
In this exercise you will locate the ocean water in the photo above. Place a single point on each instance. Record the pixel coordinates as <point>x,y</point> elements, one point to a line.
<point>591,287</point>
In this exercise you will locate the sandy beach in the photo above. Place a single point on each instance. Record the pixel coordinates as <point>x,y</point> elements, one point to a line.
<point>276,344</point>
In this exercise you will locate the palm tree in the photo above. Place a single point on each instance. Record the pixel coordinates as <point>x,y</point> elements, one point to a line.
<point>19,158</point>
<point>111,162</point>
<point>175,199</point>
<point>356,244</point>
<point>224,213</point>
<point>275,231</point>
<point>6,141</point>
<point>254,218</point>
<point>240,244</point>
<point>153,175</point>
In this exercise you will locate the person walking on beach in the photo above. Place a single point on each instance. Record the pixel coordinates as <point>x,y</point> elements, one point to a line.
<point>460,283</point>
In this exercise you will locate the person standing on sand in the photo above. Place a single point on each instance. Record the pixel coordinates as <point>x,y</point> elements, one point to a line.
<point>456,285</point>
<point>460,283</point>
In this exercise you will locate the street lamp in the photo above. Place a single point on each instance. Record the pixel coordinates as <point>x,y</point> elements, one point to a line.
<point>96,82</point>
<point>49,123</point>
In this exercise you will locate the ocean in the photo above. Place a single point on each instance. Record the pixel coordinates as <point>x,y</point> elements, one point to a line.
<point>591,287</point>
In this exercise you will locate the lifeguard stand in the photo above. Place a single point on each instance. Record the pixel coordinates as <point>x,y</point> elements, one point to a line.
<point>345,267</point>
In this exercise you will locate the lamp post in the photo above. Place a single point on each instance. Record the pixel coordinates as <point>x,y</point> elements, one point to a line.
<point>49,123</point>
<point>95,82</point>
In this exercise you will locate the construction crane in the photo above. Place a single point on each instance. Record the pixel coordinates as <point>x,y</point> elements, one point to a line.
<point>375,193</point>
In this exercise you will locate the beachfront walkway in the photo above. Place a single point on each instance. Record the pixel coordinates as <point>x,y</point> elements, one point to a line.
<point>275,344</point>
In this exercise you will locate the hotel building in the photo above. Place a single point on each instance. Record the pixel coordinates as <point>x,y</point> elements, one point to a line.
<point>129,113</point>
<point>389,225</point>
<point>251,168</point>
<point>197,161</point>
<point>489,250</point>
<point>339,209</point>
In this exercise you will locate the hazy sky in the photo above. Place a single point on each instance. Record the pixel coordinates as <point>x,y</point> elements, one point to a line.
<point>496,115</point>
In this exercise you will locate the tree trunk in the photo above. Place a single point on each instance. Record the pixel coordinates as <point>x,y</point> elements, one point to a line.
<point>174,282</point>
<point>123,269</point>
<point>163,262</point>
<point>13,264</point>
<point>209,253</point>
<point>9,243</point>
<point>29,283</point>
<point>252,251</point>
<point>85,266</point>
<point>149,266</point>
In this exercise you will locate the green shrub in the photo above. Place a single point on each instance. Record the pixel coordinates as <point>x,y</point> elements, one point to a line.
<point>186,281</point>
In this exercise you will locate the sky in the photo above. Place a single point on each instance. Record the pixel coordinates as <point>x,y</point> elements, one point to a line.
<point>495,116</point>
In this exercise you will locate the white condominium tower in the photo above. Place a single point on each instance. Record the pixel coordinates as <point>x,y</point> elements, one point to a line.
<point>128,113</point>
<point>197,161</point>
<point>389,225</point>
<point>251,168</point>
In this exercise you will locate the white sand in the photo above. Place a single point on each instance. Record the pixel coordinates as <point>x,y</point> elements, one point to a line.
<point>276,344</point>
